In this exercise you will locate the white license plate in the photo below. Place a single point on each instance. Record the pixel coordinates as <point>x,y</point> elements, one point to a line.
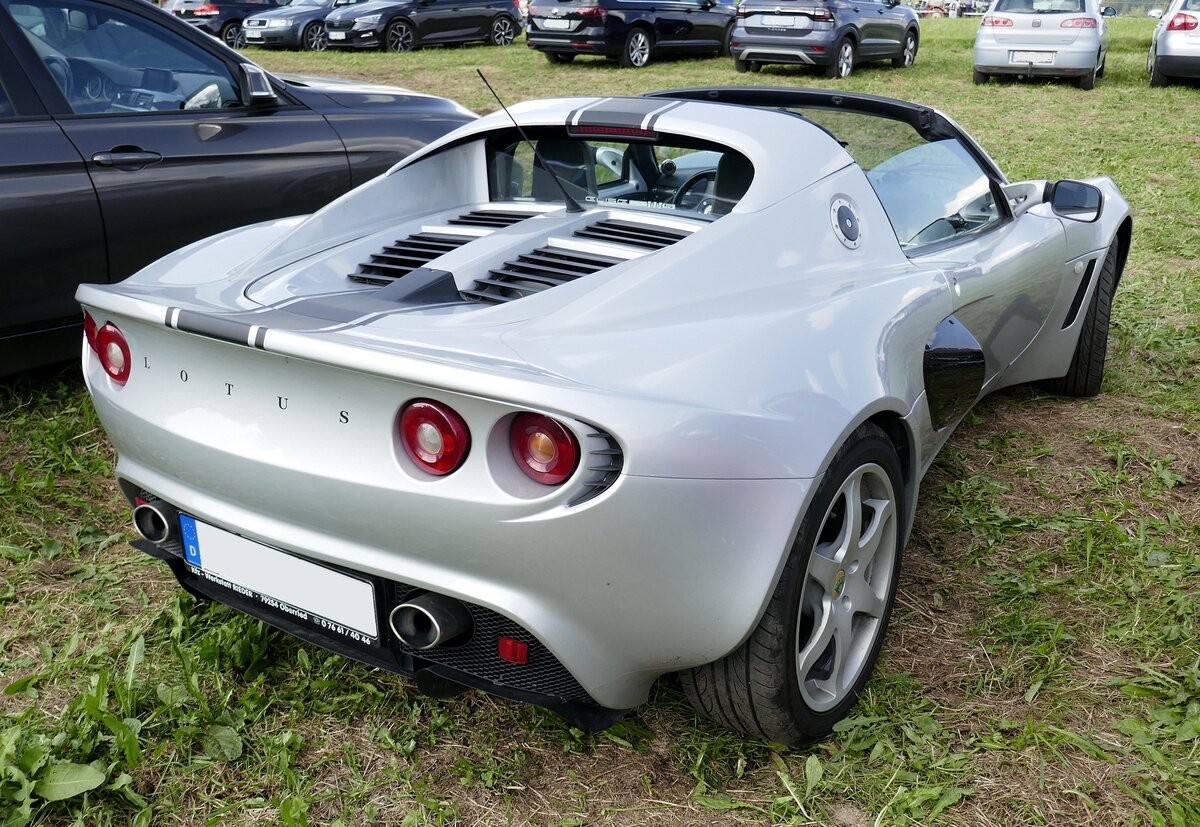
<point>777,21</point>
<point>252,35</point>
<point>1036,58</point>
<point>555,23</point>
<point>337,35</point>
<point>328,599</point>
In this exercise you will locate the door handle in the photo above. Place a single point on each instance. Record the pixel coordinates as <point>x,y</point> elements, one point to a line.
<point>127,159</point>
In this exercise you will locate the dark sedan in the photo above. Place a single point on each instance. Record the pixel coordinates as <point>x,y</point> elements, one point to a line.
<point>404,25</point>
<point>125,134</point>
<point>220,18</point>
<point>298,25</point>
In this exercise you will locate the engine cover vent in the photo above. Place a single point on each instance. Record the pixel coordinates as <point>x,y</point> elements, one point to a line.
<point>628,232</point>
<point>536,271</point>
<point>404,256</point>
<point>490,218</point>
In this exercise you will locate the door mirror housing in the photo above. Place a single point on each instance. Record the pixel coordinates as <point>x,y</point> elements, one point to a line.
<point>1108,11</point>
<point>1024,194</point>
<point>1075,200</point>
<point>256,87</point>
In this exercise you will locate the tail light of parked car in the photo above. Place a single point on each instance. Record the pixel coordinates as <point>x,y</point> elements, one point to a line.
<point>996,22</point>
<point>434,436</point>
<point>544,448</point>
<point>819,14</point>
<point>1183,23</point>
<point>1079,23</point>
<point>207,10</point>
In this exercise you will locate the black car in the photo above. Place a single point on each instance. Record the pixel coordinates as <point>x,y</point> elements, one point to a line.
<point>629,31</point>
<point>835,35</point>
<point>220,18</point>
<point>404,25</point>
<point>126,134</point>
<point>298,25</point>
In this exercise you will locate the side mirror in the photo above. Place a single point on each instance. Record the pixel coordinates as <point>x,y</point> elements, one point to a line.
<point>1075,200</point>
<point>1108,11</point>
<point>1024,194</point>
<point>256,87</point>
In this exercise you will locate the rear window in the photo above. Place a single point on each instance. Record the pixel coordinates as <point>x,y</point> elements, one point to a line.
<point>1040,6</point>
<point>697,178</point>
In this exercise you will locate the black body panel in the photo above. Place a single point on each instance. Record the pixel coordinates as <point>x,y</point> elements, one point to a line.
<point>954,371</point>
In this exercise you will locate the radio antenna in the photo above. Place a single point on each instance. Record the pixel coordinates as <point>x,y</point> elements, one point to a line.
<point>571,203</point>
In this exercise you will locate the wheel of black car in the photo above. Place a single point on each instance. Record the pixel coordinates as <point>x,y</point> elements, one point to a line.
<point>726,39</point>
<point>313,37</point>
<point>400,36</point>
<point>978,77</point>
<point>1157,78</point>
<point>843,60</point>
<point>233,35</point>
<point>805,663</point>
<point>503,31</point>
<point>1086,373</point>
<point>908,51</point>
<point>559,57</point>
<point>636,52</point>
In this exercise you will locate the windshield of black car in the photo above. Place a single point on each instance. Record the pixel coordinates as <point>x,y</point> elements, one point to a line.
<point>668,173</point>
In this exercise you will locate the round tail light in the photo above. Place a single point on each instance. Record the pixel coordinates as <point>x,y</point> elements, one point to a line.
<point>113,351</point>
<point>544,448</point>
<point>89,332</point>
<point>434,436</point>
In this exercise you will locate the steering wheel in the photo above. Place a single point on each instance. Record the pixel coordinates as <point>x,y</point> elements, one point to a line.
<point>691,183</point>
<point>60,70</point>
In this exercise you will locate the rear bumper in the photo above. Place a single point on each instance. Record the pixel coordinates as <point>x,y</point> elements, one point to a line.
<point>1179,66</point>
<point>1067,61</point>
<point>595,40</point>
<point>816,49</point>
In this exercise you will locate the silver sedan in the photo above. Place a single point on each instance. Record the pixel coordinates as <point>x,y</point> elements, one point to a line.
<point>1043,38</point>
<point>1175,47</point>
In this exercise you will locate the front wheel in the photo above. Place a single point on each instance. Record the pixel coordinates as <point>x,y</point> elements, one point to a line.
<point>400,37</point>
<point>908,52</point>
<point>1086,372</point>
<point>503,32</point>
<point>804,665</point>
<point>636,52</point>
<point>313,37</point>
<point>843,60</point>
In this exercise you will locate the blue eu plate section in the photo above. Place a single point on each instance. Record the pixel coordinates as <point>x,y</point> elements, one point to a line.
<point>191,541</point>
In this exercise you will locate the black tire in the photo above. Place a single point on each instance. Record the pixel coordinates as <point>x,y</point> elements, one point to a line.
<point>559,57</point>
<point>1086,373</point>
<point>312,39</point>
<point>843,60</point>
<point>1088,82</point>
<point>740,65</point>
<point>978,77</point>
<point>1157,78</point>
<point>503,32</point>
<point>400,37</point>
<point>726,39</point>
<point>233,36</point>
<point>635,53</point>
<point>758,689</point>
<point>908,51</point>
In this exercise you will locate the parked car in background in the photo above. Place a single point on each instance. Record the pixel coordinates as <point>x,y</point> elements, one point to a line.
<point>1175,44</point>
<point>1043,38</point>
<point>126,134</point>
<point>220,18</point>
<point>632,32</point>
<point>298,25</point>
<point>835,35</point>
<point>555,437</point>
<point>404,25</point>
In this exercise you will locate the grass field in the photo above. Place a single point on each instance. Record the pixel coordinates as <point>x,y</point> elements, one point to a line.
<point>1043,666</point>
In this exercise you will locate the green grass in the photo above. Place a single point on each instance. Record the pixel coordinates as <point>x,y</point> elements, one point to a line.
<point>1043,664</point>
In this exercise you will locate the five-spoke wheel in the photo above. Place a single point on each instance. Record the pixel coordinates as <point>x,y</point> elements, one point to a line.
<point>636,52</point>
<point>843,60</point>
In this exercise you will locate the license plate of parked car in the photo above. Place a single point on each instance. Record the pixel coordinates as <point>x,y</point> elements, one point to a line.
<point>337,35</point>
<point>250,35</point>
<point>777,21</point>
<point>1037,58</point>
<point>555,23</point>
<point>312,593</point>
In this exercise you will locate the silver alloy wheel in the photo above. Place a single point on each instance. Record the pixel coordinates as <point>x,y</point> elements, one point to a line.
<point>314,38</point>
<point>400,37</point>
<point>503,33</point>
<point>910,49</point>
<point>845,592</point>
<point>845,59</point>
<point>234,36</point>
<point>639,49</point>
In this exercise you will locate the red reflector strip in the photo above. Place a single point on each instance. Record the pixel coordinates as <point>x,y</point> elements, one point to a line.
<point>513,651</point>
<point>612,131</point>
<point>140,501</point>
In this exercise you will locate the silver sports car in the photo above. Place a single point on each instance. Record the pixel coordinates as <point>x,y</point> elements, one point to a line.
<point>600,390</point>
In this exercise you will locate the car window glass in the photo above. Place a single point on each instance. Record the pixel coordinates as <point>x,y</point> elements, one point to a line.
<point>1039,6</point>
<point>106,60</point>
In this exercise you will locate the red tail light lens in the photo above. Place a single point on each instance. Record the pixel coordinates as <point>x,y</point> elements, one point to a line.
<point>544,448</point>
<point>1079,23</point>
<point>434,436</point>
<point>113,351</point>
<point>997,22</point>
<point>89,331</point>
<point>591,11</point>
<point>1183,23</point>
<point>206,10</point>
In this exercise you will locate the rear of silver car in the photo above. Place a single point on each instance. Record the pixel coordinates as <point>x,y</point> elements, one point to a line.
<point>1175,47</point>
<point>1042,38</point>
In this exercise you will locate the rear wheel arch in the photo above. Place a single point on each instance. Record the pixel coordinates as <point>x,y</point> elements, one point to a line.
<point>1124,238</point>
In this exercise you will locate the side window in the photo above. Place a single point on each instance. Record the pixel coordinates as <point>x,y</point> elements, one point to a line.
<point>106,60</point>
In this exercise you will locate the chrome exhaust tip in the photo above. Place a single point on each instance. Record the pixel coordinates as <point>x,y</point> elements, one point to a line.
<point>155,521</point>
<point>430,620</point>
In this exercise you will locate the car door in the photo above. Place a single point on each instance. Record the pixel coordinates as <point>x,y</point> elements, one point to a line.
<point>473,18</point>
<point>50,226</point>
<point>708,20</point>
<point>437,21</point>
<point>672,21</point>
<point>873,29</point>
<point>893,21</point>
<point>173,148</point>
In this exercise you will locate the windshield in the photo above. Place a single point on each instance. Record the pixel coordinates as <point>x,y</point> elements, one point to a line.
<point>1040,6</point>
<point>670,173</point>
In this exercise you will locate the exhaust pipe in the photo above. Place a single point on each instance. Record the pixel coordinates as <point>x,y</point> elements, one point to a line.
<point>430,620</point>
<point>156,521</point>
